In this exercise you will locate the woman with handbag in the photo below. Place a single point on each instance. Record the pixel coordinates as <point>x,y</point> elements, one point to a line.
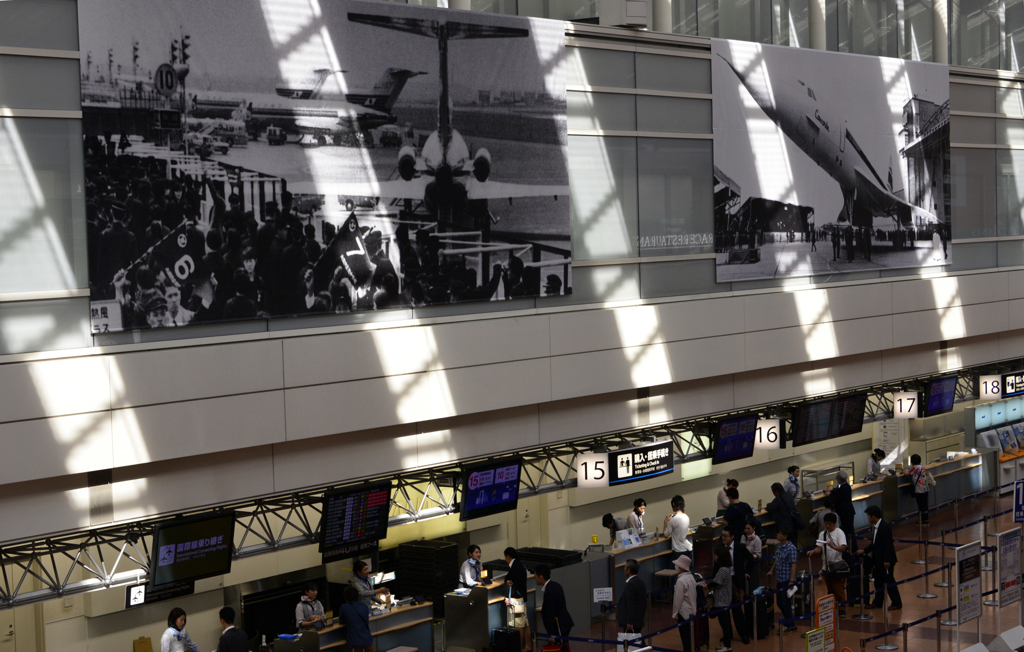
<point>356,616</point>
<point>722,595</point>
<point>835,567</point>
<point>921,481</point>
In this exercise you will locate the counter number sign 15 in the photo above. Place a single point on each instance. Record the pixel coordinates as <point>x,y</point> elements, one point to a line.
<point>592,470</point>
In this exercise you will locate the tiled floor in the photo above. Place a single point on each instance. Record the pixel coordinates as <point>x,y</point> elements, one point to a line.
<point>920,638</point>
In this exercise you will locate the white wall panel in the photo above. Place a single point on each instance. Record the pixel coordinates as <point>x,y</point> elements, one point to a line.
<point>938,293</point>
<point>845,373</point>
<point>161,488</point>
<point>489,341</point>
<point>45,448</point>
<point>1015,314</point>
<point>771,385</point>
<point>910,361</point>
<point>184,374</point>
<point>587,415</point>
<point>596,330</point>
<point>858,301</point>
<point>684,400</point>
<point>340,357</point>
<point>1015,280</point>
<point>659,364</point>
<point>490,387</point>
<point>817,341</point>
<point>49,388</point>
<point>175,430</point>
<point>324,460</point>
<point>477,435</point>
<point>357,405</point>
<point>29,508</point>
<point>1011,344</point>
<point>949,323</point>
<point>972,351</point>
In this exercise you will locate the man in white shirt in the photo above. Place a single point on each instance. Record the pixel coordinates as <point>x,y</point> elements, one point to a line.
<point>469,574</point>
<point>833,542</point>
<point>676,526</point>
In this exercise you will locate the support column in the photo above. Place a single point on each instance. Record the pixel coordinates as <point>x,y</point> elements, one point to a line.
<point>662,15</point>
<point>940,31</point>
<point>816,24</point>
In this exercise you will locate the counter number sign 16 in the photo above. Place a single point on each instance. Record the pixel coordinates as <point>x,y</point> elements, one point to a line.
<point>766,437</point>
<point>592,470</point>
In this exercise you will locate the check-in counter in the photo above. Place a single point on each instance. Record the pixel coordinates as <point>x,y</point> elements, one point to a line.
<point>709,537</point>
<point>953,479</point>
<point>863,494</point>
<point>497,610</point>
<point>653,556</point>
<point>409,625</point>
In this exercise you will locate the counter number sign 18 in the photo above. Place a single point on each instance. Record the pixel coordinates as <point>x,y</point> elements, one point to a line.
<point>990,387</point>
<point>766,437</point>
<point>592,470</point>
<point>904,405</point>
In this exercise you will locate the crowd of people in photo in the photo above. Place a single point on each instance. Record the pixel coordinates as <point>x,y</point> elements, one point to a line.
<point>740,563</point>
<point>172,249</point>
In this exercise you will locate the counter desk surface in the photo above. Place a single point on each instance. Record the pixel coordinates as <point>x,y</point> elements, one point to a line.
<point>398,619</point>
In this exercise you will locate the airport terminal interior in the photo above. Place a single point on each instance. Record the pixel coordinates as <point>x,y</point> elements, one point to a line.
<point>301,296</point>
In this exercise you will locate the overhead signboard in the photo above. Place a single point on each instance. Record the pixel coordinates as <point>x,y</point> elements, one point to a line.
<point>766,436</point>
<point>1013,384</point>
<point>640,463</point>
<point>968,582</point>
<point>1008,566</point>
<point>592,470</point>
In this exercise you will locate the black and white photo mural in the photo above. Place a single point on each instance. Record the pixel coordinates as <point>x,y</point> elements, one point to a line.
<point>827,163</point>
<point>251,159</point>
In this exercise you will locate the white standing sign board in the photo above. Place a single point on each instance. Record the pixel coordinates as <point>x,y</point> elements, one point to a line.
<point>603,594</point>
<point>968,582</point>
<point>1008,566</point>
<point>904,405</point>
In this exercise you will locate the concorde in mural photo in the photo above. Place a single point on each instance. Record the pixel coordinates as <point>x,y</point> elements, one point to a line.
<point>827,163</point>
<point>254,159</point>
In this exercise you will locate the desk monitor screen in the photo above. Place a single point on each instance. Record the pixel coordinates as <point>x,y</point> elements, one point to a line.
<point>735,439</point>
<point>490,488</point>
<point>848,415</point>
<point>355,516</point>
<point>811,422</point>
<point>940,395</point>
<point>190,549</point>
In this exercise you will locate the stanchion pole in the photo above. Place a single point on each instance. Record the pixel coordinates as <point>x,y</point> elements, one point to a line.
<point>938,631</point>
<point>987,563</point>
<point>956,521</point>
<point>905,629</point>
<point>926,595</point>
<point>995,582</point>
<point>885,644</point>
<point>920,543</point>
<point>753,629</point>
<point>945,571</point>
<point>781,628</point>
<point>861,615</point>
<point>949,600</point>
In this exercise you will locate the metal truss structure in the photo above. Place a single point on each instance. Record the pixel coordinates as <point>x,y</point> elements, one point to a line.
<point>117,555</point>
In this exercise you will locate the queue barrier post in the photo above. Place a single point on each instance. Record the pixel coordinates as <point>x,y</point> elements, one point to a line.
<point>995,587</point>
<point>926,595</point>
<point>920,538</point>
<point>885,644</point>
<point>938,630</point>
<point>986,564</point>
<point>949,622</point>
<point>956,521</point>
<point>906,628</point>
<point>781,628</point>
<point>943,583</point>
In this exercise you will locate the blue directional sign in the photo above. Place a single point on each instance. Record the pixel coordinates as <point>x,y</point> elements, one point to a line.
<point>1018,502</point>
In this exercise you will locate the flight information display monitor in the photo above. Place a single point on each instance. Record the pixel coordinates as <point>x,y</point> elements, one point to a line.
<point>490,488</point>
<point>811,422</point>
<point>940,395</point>
<point>191,549</point>
<point>355,516</point>
<point>735,440</point>
<point>848,415</point>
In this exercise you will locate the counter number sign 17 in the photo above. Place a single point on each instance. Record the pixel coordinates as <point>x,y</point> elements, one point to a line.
<point>592,470</point>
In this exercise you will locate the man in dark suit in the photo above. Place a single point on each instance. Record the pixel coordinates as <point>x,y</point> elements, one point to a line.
<point>231,640</point>
<point>843,495</point>
<point>553,612</point>
<point>633,601</point>
<point>516,600</point>
<point>742,567</point>
<point>883,555</point>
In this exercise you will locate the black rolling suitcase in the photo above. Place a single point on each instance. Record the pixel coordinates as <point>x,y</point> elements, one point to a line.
<point>701,629</point>
<point>506,639</point>
<point>765,606</point>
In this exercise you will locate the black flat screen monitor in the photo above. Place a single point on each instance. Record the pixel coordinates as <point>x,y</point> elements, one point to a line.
<point>848,415</point>
<point>735,440</point>
<point>354,516</point>
<point>940,395</point>
<point>811,422</point>
<point>191,549</point>
<point>490,488</point>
